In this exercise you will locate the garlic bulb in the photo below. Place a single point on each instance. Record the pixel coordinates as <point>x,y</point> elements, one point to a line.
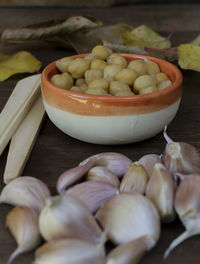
<point>135,179</point>
<point>187,206</point>
<point>71,251</point>
<point>161,191</point>
<point>180,157</point>
<point>148,161</point>
<point>67,217</point>
<point>23,224</point>
<point>100,173</point>
<point>93,193</point>
<point>25,191</point>
<point>115,162</point>
<point>131,252</point>
<point>126,217</point>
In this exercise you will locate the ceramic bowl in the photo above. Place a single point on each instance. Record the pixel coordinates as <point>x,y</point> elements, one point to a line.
<point>112,119</point>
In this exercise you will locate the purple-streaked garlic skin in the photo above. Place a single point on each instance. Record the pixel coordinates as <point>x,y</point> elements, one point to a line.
<point>187,206</point>
<point>100,173</point>
<point>25,191</point>
<point>71,176</point>
<point>115,162</point>
<point>135,179</point>
<point>148,161</point>
<point>23,224</point>
<point>161,191</point>
<point>93,193</point>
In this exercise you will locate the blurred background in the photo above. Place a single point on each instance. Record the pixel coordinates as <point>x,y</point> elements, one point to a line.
<point>88,3</point>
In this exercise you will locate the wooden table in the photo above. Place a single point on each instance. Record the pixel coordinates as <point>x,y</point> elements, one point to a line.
<point>55,152</point>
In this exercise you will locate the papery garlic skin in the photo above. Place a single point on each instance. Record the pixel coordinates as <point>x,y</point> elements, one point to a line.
<point>100,173</point>
<point>161,191</point>
<point>187,206</point>
<point>135,179</point>
<point>93,193</point>
<point>23,224</point>
<point>131,252</point>
<point>70,251</point>
<point>65,216</point>
<point>180,157</point>
<point>148,161</point>
<point>127,217</point>
<point>25,191</point>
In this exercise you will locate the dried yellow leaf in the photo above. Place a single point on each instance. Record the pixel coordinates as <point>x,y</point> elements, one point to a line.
<point>189,57</point>
<point>144,36</point>
<point>20,62</point>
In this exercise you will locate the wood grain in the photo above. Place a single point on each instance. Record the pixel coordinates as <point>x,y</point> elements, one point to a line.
<point>55,152</point>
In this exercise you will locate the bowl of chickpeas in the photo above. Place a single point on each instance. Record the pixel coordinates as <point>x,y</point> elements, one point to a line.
<point>111,98</point>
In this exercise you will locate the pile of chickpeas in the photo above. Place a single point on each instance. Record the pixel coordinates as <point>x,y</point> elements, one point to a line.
<point>104,73</point>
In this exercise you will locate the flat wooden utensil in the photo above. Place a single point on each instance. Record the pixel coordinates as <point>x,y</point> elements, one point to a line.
<point>23,140</point>
<point>17,106</point>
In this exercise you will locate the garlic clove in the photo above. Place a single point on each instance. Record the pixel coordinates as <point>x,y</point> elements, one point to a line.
<point>100,173</point>
<point>25,191</point>
<point>65,216</point>
<point>23,224</point>
<point>148,161</point>
<point>135,179</point>
<point>187,206</point>
<point>70,176</point>
<point>115,162</point>
<point>129,216</point>
<point>131,252</point>
<point>93,193</point>
<point>180,157</point>
<point>71,251</point>
<point>161,191</point>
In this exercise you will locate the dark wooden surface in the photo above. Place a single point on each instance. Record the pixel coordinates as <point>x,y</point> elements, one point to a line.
<point>55,152</point>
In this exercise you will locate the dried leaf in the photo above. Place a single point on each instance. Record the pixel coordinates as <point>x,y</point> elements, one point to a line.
<point>84,42</point>
<point>45,30</point>
<point>144,36</point>
<point>20,62</point>
<point>189,57</point>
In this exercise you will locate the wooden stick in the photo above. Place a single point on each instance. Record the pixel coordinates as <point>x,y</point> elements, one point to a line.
<point>23,140</point>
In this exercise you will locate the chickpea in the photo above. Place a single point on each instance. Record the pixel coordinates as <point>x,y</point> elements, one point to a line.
<point>160,77</point>
<point>83,87</point>
<point>101,52</point>
<point>127,76</point>
<point>164,84</point>
<point>92,75</point>
<point>98,65</point>
<point>147,90</point>
<point>90,57</point>
<point>63,80</point>
<point>152,67</point>
<point>117,59</point>
<point>96,91</point>
<point>79,82</point>
<point>143,81</point>
<point>76,89</point>
<point>63,64</point>
<point>138,66</point>
<point>99,83</point>
<point>78,67</point>
<point>110,71</point>
<point>118,87</point>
